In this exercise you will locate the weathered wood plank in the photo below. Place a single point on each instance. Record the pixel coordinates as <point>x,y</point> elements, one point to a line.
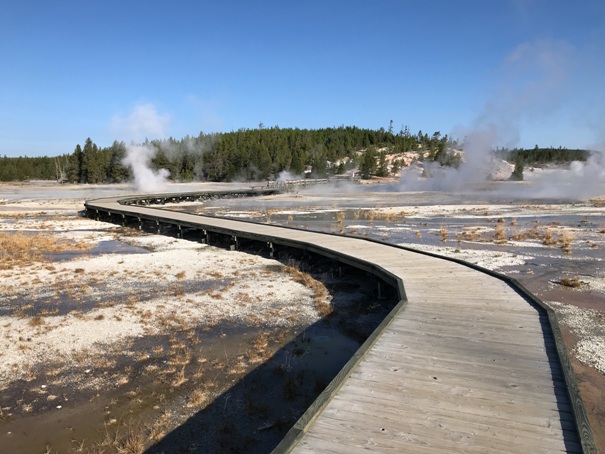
<point>456,342</point>
<point>455,394</point>
<point>355,430</point>
<point>496,413</point>
<point>501,365</point>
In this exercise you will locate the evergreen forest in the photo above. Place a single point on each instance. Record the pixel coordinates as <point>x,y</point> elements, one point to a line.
<point>261,154</point>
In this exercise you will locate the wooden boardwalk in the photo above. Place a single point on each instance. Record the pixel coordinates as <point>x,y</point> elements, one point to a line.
<point>466,364</point>
<point>465,367</point>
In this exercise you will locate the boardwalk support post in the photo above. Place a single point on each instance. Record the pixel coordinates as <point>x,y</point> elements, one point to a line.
<point>271,250</point>
<point>233,246</point>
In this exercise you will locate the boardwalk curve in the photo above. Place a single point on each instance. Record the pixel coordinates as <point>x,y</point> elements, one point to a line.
<point>467,361</point>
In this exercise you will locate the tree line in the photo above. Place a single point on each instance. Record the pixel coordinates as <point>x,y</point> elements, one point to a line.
<point>243,155</point>
<point>262,153</point>
<point>538,156</point>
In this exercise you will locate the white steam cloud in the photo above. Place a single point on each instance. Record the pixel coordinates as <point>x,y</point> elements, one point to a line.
<point>138,159</point>
<point>144,121</point>
<point>537,80</point>
<point>581,181</point>
<point>285,176</point>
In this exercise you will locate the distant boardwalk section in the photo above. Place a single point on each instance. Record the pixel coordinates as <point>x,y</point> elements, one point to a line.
<point>467,362</point>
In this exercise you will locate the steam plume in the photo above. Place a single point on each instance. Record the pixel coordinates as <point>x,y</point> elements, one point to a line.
<point>143,121</point>
<point>536,80</point>
<point>138,159</point>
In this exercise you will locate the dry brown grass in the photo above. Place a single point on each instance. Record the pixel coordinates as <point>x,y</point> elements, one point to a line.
<point>598,202</point>
<point>469,235</point>
<point>4,416</point>
<point>443,233</point>
<point>500,232</point>
<point>320,293</point>
<point>198,399</point>
<point>566,240</point>
<point>259,351</point>
<point>572,282</point>
<point>36,321</point>
<point>129,442</point>
<point>548,238</point>
<point>21,249</point>
<point>133,444</point>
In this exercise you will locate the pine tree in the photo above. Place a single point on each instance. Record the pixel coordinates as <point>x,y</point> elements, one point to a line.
<point>517,174</point>
<point>74,167</point>
<point>382,170</point>
<point>367,167</point>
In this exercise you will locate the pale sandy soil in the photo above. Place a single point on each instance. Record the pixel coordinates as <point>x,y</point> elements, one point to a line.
<point>102,278</point>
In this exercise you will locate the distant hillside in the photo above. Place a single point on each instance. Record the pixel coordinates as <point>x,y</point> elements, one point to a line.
<point>264,153</point>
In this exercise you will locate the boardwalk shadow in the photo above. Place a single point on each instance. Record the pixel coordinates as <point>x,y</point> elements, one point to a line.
<point>564,405</point>
<point>255,413</point>
<point>561,390</point>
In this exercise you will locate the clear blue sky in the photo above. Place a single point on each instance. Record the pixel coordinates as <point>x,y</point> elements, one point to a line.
<point>532,69</point>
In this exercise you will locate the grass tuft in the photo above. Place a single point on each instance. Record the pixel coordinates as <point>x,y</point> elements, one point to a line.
<point>443,233</point>
<point>566,239</point>
<point>320,293</point>
<point>500,232</point>
<point>572,282</point>
<point>36,321</point>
